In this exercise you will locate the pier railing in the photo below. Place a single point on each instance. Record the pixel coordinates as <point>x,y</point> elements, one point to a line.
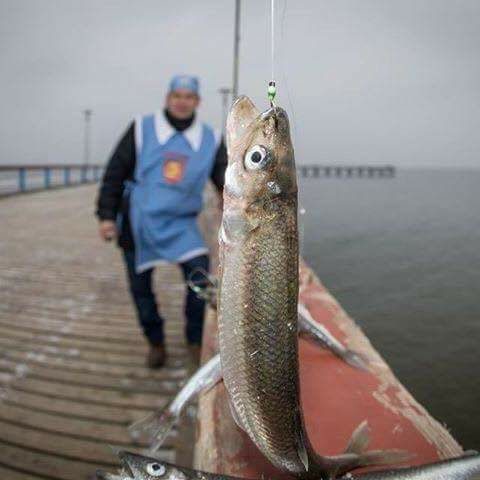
<point>28,178</point>
<point>346,171</point>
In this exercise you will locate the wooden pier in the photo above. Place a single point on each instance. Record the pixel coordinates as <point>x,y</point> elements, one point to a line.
<point>72,373</point>
<point>346,171</point>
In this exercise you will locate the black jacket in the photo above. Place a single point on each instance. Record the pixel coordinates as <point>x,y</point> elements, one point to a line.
<point>121,167</point>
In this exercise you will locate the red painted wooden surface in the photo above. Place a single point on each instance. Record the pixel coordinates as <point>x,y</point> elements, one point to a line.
<point>335,399</point>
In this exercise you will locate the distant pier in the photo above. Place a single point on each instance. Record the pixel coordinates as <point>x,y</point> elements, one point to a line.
<point>346,171</point>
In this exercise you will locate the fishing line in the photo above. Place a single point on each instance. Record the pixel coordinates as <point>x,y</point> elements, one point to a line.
<point>272,89</point>
<point>302,212</point>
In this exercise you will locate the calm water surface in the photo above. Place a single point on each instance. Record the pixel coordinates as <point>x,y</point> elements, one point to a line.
<point>402,256</point>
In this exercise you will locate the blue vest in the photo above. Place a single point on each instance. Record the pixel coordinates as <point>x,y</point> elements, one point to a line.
<point>171,171</point>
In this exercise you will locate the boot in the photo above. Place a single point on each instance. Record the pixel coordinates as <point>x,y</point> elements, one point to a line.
<point>156,356</point>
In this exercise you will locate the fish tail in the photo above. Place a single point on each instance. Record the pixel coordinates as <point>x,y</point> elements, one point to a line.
<point>356,456</point>
<point>165,424</point>
<point>355,359</point>
<point>359,440</point>
<point>358,445</point>
<point>156,426</point>
<point>383,457</point>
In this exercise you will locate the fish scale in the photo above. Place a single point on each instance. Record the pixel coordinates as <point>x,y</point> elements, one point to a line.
<point>258,297</point>
<point>258,317</point>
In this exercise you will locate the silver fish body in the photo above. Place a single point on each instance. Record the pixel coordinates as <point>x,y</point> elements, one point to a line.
<point>159,424</point>
<point>462,468</point>
<point>259,284</point>
<point>258,296</point>
<point>139,467</point>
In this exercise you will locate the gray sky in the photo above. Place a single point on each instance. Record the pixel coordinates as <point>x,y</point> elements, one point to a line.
<point>364,81</point>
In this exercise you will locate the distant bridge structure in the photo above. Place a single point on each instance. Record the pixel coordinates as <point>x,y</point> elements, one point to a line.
<point>31,178</point>
<point>346,171</point>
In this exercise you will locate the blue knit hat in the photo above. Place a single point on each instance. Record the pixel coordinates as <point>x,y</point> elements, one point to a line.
<point>188,82</point>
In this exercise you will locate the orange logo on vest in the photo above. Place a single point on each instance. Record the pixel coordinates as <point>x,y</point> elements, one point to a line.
<point>174,168</point>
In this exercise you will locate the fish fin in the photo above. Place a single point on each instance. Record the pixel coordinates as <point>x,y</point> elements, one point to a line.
<point>302,450</point>
<point>165,424</point>
<point>356,456</point>
<point>342,464</point>
<point>384,457</point>
<point>359,440</point>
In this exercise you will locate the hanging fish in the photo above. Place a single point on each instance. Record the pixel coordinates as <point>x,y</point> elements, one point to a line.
<point>258,296</point>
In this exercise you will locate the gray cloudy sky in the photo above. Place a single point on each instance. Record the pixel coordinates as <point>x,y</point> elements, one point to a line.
<point>374,81</point>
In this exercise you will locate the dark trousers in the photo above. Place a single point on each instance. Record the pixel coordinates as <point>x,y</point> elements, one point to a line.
<point>147,310</point>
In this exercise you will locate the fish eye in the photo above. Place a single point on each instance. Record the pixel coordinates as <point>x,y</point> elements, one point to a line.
<point>256,158</point>
<point>156,469</point>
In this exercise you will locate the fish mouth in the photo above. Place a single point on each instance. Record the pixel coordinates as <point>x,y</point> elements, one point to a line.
<point>124,474</point>
<point>127,469</point>
<point>278,115</point>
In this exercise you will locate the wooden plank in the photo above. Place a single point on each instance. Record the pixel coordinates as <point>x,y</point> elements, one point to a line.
<point>81,323</point>
<point>135,350</point>
<point>72,408</point>
<point>49,466</point>
<point>46,442</point>
<point>89,333</point>
<point>128,399</point>
<point>9,474</point>
<point>94,356</point>
<point>86,429</point>
<point>120,372</point>
<point>147,385</point>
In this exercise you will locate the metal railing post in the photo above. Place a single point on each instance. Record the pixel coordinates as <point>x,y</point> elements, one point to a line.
<point>22,179</point>
<point>66,176</point>
<point>47,177</point>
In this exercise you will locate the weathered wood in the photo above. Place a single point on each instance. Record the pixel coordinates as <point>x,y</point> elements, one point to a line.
<point>72,356</point>
<point>335,399</point>
<point>86,429</point>
<point>72,409</point>
<point>124,384</point>
<point>56,362</point>
<point>9,474</point>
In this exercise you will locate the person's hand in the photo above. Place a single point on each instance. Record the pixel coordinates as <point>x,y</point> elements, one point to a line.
<point>107,230</point>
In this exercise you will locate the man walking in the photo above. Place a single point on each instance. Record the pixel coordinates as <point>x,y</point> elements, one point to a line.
<point>149,200</point>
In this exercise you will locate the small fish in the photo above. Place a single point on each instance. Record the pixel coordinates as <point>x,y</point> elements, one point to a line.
<point>138,467</point>
<point>159,424</point>
<point>321,335</point>
<point>206,287</point>
<point>258,297</point>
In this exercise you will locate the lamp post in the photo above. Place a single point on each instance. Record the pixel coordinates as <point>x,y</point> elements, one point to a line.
<point>225,93</point>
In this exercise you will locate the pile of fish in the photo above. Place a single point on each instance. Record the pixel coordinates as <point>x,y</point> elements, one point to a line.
<point>259,321</point>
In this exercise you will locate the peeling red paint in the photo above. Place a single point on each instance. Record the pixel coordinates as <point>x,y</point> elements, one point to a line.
<point>336,398</point>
